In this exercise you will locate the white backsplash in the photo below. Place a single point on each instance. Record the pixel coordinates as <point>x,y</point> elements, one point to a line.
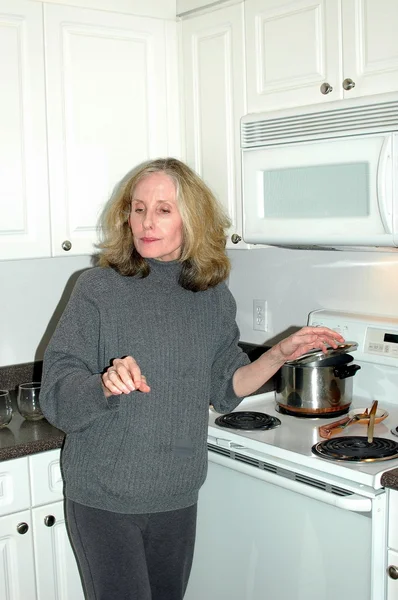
<point>293,282</point>
<point>33,294</point>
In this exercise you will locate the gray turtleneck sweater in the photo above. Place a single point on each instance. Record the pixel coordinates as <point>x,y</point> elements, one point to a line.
<point>137,452</point>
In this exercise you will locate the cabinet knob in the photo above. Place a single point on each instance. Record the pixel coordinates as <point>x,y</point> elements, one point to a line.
<point>348,84</point>
<point>392,572</point>
<point>66,245</point>
<point>22,528</point>
<point>326,88</point>
<point>49,520</point>
<point>235,238</point>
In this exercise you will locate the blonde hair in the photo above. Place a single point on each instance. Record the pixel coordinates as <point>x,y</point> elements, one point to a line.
<point>203,257</point>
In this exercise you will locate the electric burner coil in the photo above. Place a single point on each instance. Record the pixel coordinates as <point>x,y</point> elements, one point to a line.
<point>356,449</point>
<point>248,421</point>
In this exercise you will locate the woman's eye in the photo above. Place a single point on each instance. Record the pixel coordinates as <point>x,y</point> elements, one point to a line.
<point>138,210</point>
<point>165,210</point>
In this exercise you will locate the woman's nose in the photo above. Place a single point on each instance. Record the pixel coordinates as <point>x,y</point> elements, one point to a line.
<point>147,221</point>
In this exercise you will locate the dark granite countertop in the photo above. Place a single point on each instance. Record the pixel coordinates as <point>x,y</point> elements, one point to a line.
<point>390,479</point>
<point>21,438</point>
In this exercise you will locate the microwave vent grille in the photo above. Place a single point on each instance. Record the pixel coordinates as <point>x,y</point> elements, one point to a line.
<point>261,130</point>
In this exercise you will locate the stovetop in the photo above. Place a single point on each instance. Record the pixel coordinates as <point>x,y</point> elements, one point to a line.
<point>290,444</point>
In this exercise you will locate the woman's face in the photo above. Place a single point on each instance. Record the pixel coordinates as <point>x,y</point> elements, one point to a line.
<point>155,220</point>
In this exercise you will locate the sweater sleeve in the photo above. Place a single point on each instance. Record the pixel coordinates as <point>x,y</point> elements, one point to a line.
<point>72,396</point>
<point>229,356</point>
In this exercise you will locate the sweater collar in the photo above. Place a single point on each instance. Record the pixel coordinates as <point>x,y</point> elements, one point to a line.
<point>165,269</point>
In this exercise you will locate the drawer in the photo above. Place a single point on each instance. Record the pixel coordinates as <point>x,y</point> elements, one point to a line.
<point>45,477</point>
<point>14,485</point>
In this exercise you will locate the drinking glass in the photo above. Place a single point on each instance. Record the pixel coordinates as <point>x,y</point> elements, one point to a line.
<point>5,408</point>
<point>28,401</point>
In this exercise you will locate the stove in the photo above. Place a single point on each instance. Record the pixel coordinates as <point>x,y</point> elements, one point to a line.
<point>295,444</point>
<point>322,495</point>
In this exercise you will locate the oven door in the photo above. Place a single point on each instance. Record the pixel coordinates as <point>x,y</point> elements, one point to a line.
<point>262,536</point>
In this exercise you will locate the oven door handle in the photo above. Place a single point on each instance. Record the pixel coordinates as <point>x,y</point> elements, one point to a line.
<point>353,502</point>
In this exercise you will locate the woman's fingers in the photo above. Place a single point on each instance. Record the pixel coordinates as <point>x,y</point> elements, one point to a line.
<point>309,338</point>
<point>124,376</point>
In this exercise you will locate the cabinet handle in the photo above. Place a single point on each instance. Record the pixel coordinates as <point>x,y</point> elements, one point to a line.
<point>49,520</point>
<point>348,84</point>
<point>22,528</point>
<point>392,572</point>
<point>326,88</point>
<point>66,245</point>
<point>235,238</point>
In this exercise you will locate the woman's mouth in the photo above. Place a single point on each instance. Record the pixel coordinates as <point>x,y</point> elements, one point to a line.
<point>148,240</point>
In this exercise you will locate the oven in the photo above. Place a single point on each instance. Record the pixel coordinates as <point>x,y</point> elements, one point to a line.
<point>277,521</point>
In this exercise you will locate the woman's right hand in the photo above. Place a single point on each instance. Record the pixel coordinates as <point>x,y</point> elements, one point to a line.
<point>124,376</point>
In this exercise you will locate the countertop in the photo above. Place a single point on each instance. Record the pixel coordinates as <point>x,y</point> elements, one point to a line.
<point>21,437</point>
<point>390,479</point>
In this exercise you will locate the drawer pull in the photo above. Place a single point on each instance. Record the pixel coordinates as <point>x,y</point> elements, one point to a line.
<point>49,520</point>
<point>22,528</point>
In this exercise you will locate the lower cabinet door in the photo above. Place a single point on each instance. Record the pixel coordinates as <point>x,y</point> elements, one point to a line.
<point>17,576</point>
<point>392,571</point>
<point>56,570</point>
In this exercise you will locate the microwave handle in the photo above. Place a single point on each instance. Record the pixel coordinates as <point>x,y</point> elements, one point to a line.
<point>384,184</point>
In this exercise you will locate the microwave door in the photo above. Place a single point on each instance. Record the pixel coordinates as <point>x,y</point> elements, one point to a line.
<point>385,183</point>
<point>324,192</point>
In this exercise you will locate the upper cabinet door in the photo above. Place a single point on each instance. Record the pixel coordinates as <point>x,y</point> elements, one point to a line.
<point>214,94</point>
<point>370,43</point>
<point>24,222</point>
<point>107,108</point>
<point>293,49</point>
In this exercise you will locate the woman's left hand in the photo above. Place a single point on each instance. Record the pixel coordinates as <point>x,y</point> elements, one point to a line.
<point>306,339</point>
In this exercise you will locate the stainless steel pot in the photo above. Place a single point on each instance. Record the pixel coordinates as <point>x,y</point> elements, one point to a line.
<point>318,384</point>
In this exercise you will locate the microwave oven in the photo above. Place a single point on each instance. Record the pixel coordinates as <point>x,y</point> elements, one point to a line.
<point>322,176</point>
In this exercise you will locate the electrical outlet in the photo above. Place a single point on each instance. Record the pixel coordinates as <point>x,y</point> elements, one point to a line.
<point>260,320</point>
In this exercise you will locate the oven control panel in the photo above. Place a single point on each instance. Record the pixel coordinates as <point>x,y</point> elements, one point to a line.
<point>381,341</point>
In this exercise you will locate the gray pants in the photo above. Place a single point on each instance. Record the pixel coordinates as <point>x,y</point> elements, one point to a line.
<point>132,557</point>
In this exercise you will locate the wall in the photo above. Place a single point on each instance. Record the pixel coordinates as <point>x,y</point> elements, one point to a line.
<point>33,294</point>
<point>294,282</point>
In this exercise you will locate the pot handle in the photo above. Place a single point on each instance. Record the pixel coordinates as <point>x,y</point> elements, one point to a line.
<point>344,371</point>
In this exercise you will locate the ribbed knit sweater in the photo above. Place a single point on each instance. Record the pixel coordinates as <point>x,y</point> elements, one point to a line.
<point>140,452</point>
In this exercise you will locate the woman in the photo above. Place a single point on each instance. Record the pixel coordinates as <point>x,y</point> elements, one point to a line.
<point>147,341</point>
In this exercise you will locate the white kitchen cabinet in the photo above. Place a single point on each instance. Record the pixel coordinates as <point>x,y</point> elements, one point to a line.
<point>392,569</point>
<point>17,576</point>
<point>306,52</point>
<point>91,93</point>
<point>17,572</point>
<point>24,208</point>
<point>36,559</point>
<point>107,111</point>
<point>57,574</point>
<point>214,98</point>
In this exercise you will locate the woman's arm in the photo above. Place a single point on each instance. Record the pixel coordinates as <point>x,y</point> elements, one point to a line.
<point>249,378</point>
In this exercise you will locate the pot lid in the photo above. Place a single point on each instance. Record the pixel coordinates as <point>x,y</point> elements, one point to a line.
<point>316,356</point>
